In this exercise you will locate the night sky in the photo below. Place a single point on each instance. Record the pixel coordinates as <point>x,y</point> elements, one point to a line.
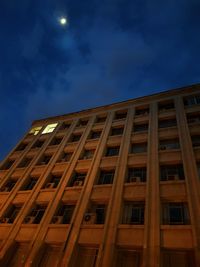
<point>110,51</point>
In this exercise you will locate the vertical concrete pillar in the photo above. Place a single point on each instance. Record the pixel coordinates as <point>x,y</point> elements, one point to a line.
<point>151,249</point>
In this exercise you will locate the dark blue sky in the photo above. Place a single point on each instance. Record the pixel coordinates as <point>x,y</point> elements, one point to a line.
<point>112,50</point>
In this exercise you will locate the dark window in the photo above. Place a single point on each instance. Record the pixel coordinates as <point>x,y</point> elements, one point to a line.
<point>24,163</point>
<point>8,186</point>
<point>171,173</point>
<point>64,214</point>
<point>36,214</point>
<point>128,258</point>
<point>165,106</point>
<point>120,115</point>
<point>106,177</point>
<point>95,134</point>
<point>175,213</point>
<point>82,123</point>
<point>169,144</point>
<point>21,146</point>
<point>56,141</point>
<point>44,160</point>
<point>112,151</point>
<point>95,215</point>
<point>86,257</point>
<point>7,164</point>
<point>141,112</point>
<point>77,179</point>
<point>195,140</point>
<point>64,126</point>
<point>75,137</point>
<point>117,131</point>
<point>192,100</point>
<point>38,144</point>
<point>140,127</point>
<point>175,258</point>
<point>167,123</point>
<point>133,213</point>
<point>136,175</point>
<point>30,184</point>
<point>193,118</point>
<point>53,182</point>
<point>88,154</point>
<point>11,214</point>
<point>138,147</point>
<point>100,119</point>
<point>66,156</point>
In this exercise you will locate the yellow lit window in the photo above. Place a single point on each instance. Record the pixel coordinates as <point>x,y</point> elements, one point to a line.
<point>49,128</point>
<point>35,130</point>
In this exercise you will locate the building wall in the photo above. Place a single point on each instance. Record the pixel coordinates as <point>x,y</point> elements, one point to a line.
<point>145,213</point>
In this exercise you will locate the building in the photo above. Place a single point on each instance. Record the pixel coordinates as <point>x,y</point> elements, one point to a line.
<point>113,186</point>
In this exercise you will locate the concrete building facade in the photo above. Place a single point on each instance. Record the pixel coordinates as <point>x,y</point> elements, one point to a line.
<point>112,186</point>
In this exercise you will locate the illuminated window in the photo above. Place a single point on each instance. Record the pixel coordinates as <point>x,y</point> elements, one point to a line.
<point>35,130</point>
<point>49,128</point>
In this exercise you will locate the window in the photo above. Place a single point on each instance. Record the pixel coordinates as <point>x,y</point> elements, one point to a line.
<point>49,128</point>
<point>117,131</point>
<point>8,186</point>
<point>165,106</point>
<point>140,128</point>
<point>88,154</point>
<point>106,177</point>
<point>36,214</point>
<point>136,175</point>
<point>95,134</point>
<point>82,123</point>
<point>169,144</point>
<point>95,215</point>
<point>56,141</point>
<point>29,184</point>
<point>21,146</point>
<point>192,100</point>
<point>100,119</point>
<point>139,147</point>
<point>141,112</point>
<point>11,214</point>
<point>133,213</point>
<point>35,130</point>
<point>193,118</point>
<point>175,213</point>
<point>171,173</point>
<point>75,137</point>
<point>64,214</point>
<point>196,140</point>
<point>167,123</point>
<point>7,165</point>
<point>112,151</point>
<point>120,115</point>
<point>64,126</point>
<point>50,255</point>
<point>38,144</point>
<point>177,258</point>
<point>52,182</point>
<point>18,258</point>
<point>128,258</point>
<point>77,179</point>
<point>86,257</point>
<point>25,162</point>
<point>66,156</point>
<point>44,160</point>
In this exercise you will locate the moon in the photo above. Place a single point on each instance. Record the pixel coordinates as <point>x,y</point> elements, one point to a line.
<point>63,21</point>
